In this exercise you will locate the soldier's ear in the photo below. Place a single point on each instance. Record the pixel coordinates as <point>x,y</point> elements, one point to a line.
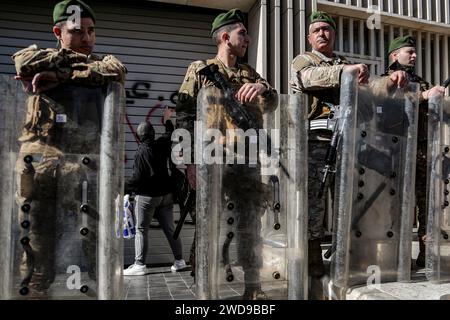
<point>225,36</point>
<point>57,32</point>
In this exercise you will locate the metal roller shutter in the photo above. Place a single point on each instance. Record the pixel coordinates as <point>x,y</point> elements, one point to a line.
<point>156,42</point>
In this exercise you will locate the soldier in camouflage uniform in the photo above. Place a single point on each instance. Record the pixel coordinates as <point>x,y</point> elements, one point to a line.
<point>317,74</point>
<point>42,71</point>
<point>402,59</point>
<point>230,35</point>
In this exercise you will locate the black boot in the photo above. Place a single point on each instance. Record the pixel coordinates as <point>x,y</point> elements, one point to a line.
<point>315,261</point>
<point>420,261</point>
<point>254,293</point>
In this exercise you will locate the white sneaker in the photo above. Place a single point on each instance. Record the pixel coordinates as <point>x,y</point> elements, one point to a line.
<point>178,265</point>
<point>135,270</point>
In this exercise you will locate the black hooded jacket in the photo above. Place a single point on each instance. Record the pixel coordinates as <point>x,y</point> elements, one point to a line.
<point>151,167</point>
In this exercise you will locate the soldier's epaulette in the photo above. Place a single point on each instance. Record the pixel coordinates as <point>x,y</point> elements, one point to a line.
<point>33,47</point>
<point>304,60</point>
<point>198,65</point>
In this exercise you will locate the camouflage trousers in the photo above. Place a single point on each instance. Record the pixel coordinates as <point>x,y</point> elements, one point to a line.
<point>421,191</point>
<point>242,186</point>
<point>49,192</point>
<point>317,150</point>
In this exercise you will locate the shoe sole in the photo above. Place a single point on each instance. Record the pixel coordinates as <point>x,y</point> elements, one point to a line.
<point>179,269</point>
<point>135,274</point>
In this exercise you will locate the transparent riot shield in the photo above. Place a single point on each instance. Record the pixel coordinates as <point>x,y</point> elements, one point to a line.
<point>438,226</point>
<point>374,195</point>
<point>62,183</point>
<point>251,199</point>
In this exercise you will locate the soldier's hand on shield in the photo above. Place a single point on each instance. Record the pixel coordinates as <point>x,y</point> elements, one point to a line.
<point>249,91</point>
<point>363,72</point>
<point>437,90</point>
<point>26,82</point>
<point>40,82</point>
<point>398,79</point>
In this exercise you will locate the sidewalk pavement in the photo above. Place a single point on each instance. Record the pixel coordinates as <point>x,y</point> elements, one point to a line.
<point>160,283</point>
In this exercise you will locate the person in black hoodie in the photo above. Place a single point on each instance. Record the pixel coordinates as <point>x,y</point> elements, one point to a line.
<point>151,183</point>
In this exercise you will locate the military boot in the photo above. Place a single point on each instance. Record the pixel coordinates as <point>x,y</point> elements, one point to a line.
<point>420,261</point>
<point>315,261</point>
<point>38,287</point>
<point>192,263</point>
<point>254,293</point>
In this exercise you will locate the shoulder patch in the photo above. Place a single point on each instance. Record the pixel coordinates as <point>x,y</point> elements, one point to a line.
<point>301,61</point>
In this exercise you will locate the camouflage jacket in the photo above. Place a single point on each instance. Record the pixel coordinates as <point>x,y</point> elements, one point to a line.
<point>319,77</point>
<point>186,107</point>
<point>422,128</point>
<point>70,66</point>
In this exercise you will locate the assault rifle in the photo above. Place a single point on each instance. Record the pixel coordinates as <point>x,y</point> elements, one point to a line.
<point>238,113</point>
<point>234,109</point>
<point>184,195</point>
<point>330,157</point>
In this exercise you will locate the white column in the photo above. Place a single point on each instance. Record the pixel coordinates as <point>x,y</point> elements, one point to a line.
<point>428,58</point>
<point>429,8</point>
<point>438,10</point>
<point>391,33</point>
<point>419,9</point>
<point>277,45</point>
<point>302,23</point>
<point>382,50</point>
<point>372,47</point>
<point>362,25</point>
<point>341,33</point>
<point>257,52</point>
<point>419,53</point>
<point>351,36</point>
<point>446,57</point>
<point>437,60</point>
<point>290,37</point>
<point>410,8</point>
<point>400,7</point>
<point>390,6</point>
<point>447,12</point>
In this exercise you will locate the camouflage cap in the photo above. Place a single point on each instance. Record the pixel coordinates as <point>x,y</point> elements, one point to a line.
<point>60,12</point>
<point>321,16</point>
<point>400,42</point>
<point>230,17</point>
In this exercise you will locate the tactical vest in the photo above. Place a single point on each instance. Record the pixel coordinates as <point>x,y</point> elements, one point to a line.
<point>318,108</point>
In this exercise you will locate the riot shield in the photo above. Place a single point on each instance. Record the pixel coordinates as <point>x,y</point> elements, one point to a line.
<point>438,225</point>
<point>374,195</point>
<point>251,198</point>
<point>62,183</point>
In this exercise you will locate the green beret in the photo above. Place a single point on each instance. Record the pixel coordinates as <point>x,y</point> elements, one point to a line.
<point>60,11</point>
<point>230,17</point>
<point>400,42</point>
<point>320,16</point>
